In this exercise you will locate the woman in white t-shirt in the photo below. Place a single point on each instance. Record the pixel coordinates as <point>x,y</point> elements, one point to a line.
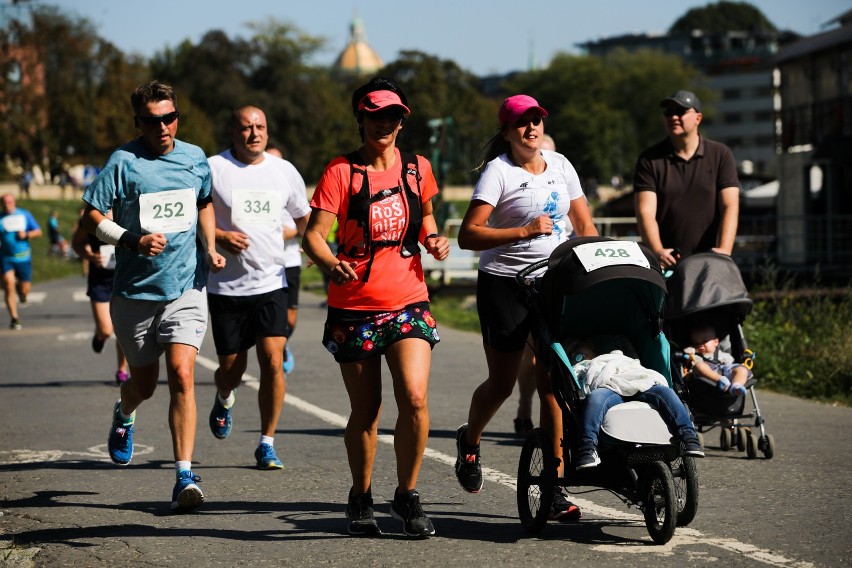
<point>517,216</point>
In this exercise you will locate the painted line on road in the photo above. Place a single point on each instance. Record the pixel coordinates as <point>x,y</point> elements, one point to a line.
<point>683,535</point>
<point>34,298</point>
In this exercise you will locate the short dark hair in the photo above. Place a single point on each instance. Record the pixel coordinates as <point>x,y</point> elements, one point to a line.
<point>153,91</point>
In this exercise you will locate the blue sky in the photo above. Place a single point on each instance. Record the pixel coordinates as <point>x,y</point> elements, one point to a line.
<point>482,36</point>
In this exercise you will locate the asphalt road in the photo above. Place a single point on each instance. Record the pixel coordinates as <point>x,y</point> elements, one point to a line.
<point>64,503</point>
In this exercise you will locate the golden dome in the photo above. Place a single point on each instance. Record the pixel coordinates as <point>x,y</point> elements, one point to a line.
<point>358,58</point>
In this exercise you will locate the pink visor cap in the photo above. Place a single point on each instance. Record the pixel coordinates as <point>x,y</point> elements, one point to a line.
<point>514,108</point>
<point>378,100</point>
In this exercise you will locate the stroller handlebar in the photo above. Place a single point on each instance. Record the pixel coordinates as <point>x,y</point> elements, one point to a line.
<point>521,277</point>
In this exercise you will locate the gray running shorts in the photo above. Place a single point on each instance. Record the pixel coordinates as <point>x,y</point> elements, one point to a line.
<point>143,327</point>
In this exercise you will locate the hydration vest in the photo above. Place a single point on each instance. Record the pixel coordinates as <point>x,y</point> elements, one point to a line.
<point>360,201</point>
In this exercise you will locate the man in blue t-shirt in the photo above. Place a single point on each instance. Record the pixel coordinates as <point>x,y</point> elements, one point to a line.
<point>163,228</point>
<point>17,227</point>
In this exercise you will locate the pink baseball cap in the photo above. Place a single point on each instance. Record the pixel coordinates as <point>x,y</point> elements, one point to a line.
<point>515,106</point>
<point>378,100</point>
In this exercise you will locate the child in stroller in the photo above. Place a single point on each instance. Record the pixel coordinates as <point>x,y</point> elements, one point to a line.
<point>710,362</point>
<point>610,379</point>
<point>706,293</point>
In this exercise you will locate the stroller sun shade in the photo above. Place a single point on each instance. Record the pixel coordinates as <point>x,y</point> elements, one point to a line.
<point>613,297</point>
<point>703,281</point>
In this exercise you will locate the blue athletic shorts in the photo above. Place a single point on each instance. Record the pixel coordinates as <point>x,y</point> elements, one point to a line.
<point>23,268</point>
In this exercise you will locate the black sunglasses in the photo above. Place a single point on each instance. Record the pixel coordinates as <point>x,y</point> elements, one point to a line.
<point>675,111</point>
<point>390,115</point>
<point>166,119</point>
<point>521,123</point>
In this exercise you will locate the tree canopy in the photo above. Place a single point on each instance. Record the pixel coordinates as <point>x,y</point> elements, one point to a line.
<point>603,111</point>
<point>721,17</point>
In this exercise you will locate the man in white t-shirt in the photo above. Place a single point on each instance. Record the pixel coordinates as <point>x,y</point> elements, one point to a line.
<point>293,269</point>
<point>254,195</point>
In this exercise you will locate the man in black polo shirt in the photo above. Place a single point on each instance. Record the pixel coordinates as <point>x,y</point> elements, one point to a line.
<point>686,189</point>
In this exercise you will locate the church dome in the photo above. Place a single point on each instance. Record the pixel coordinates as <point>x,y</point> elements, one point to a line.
<point>358,58</point>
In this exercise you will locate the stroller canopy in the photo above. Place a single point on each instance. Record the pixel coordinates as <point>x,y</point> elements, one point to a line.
<point>704,281</point>
<point>622,299</point>
<point>582,299</point>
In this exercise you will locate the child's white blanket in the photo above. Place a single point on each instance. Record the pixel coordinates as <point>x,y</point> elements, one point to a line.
<point>618,373</point>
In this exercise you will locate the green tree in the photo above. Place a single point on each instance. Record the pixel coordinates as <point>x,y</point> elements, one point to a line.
<point>77,90</point>
<point>604,111</point>
<point>209,81</point>
<point>305,109</point>
<point>723,16</point>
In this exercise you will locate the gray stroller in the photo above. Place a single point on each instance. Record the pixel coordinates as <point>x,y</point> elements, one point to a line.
<point>707,289</point>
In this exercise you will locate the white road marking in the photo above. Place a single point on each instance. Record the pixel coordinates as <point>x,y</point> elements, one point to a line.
<point>683,535</point>
<point>12,457</point>
<point>79,295</point>
<point>75,336</point>
<point>35,298</point>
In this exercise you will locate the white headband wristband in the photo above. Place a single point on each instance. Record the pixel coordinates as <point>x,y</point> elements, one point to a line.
<point>109,232</point>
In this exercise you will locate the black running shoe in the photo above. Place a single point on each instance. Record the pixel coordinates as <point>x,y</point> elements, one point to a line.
<point>406,507</point>
<point>562,509</point>
<point>468,469</point>
<point>523,426</point>
<point>692,447</point>
<point>359,511</point>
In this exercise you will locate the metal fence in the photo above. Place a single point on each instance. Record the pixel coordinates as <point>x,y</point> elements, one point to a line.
<point>804,244</point>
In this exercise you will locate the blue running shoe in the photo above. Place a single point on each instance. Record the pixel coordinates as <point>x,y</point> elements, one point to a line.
<point>220,419</point>
<point>289,361</point>
<point>186,494</point>
<point>266,458</point>
<point>120,441</point>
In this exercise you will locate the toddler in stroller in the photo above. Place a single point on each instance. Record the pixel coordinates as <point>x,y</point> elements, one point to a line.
<point>614,378</point>
<point>710,362</point>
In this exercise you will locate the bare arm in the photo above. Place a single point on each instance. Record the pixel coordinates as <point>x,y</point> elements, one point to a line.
<point>436,245</point>
<point>475,234</point>
<point>581,218</point>
<point>234,242</point>
<point>729,209</point>
<point>207,230</point>
<point>315,245</point>
<point>645,203</point>
<point>80,243</point>
<point>151,244</point>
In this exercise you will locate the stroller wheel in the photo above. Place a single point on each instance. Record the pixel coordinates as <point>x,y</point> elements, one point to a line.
<point>685,477</point>
<point>537,471</point>
<point>742,433</point>
<point>725,438</point>
<point>659,504</point>
<point>768,446</point>
<point>751,445</point>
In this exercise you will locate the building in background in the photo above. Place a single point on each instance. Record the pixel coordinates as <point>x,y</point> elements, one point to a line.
<point>357,58</point>
<point>813,88</point>
<point>735,66</point>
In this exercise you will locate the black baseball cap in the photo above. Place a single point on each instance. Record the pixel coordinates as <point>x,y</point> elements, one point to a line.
<point>686,99</point>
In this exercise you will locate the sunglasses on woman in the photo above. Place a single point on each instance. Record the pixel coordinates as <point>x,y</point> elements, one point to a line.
<point>522,123</point>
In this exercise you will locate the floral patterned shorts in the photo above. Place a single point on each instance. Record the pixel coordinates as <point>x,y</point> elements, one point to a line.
<point>353,335</point>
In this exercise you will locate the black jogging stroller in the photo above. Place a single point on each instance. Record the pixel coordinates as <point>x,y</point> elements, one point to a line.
<point>707,289</point>
<point>596,286</point>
